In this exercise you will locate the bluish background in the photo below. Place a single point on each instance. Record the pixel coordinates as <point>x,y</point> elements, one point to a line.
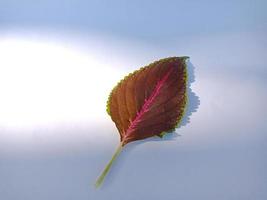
<point>220,154</point>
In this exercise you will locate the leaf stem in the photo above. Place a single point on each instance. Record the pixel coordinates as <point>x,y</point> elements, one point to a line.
<point>108,166</point>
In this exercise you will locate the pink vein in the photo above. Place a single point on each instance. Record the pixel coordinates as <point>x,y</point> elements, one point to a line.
<point>147,104</point>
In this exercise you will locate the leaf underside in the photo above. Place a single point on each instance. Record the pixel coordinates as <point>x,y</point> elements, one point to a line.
<point>150,101</point>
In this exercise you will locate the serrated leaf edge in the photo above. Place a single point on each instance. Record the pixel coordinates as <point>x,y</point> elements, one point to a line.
<point>179,119</point>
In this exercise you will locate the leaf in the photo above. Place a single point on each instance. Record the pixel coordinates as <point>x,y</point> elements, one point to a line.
<point>148,102</point>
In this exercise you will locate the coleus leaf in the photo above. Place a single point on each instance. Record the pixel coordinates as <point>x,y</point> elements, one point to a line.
<point>148,102</point>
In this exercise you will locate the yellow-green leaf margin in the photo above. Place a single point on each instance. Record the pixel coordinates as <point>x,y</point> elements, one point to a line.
<point>183,108</point>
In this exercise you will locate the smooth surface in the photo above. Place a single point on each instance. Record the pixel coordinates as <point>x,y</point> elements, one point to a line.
<point>60,59</point>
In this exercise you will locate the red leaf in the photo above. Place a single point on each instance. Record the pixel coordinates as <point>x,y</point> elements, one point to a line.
<point>149,102</point>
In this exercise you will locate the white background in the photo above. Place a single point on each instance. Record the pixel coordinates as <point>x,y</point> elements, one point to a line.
<point>60,59</point>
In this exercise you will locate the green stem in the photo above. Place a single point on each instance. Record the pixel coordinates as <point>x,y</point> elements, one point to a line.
<point>107,168</point>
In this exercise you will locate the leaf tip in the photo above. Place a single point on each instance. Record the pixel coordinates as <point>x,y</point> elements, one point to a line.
<point>184,58</point>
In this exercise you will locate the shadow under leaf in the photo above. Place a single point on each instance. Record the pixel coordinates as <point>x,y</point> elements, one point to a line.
<point>193,103</point>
